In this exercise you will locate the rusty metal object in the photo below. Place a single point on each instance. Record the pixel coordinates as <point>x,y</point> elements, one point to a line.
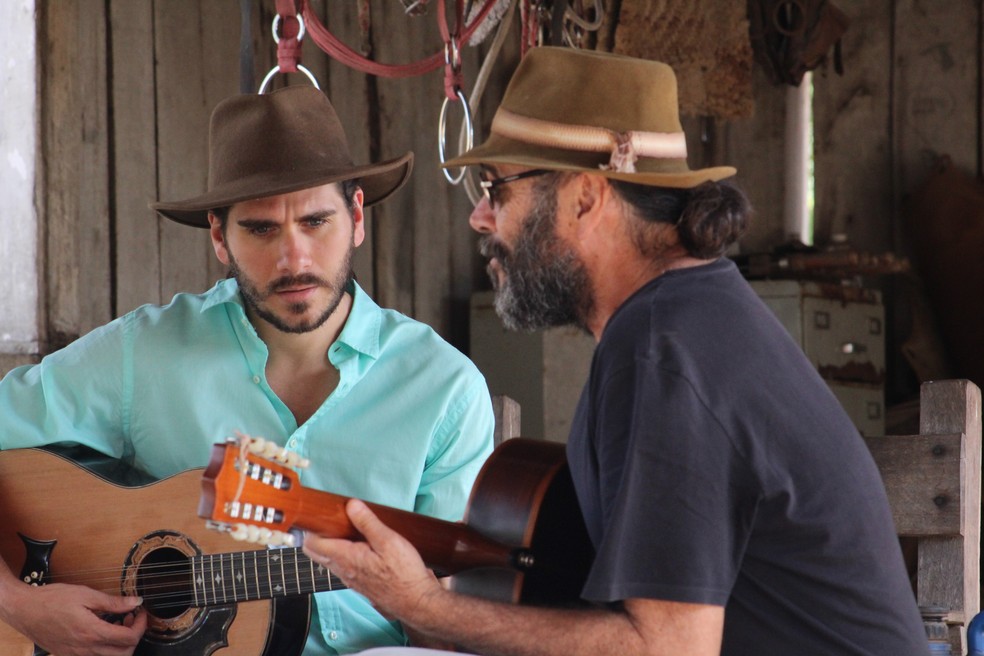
<point>823,265</point>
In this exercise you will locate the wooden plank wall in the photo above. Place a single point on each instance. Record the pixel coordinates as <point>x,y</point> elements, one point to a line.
<point>910,93</point>
<point>127,92</point>
<point>128,86</point>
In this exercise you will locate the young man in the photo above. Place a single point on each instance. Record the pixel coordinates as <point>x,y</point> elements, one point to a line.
<point>289,348</point>
<point>733,507</point>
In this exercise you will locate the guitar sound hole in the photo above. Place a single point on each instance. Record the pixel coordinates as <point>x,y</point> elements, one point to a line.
<point>164,582</point>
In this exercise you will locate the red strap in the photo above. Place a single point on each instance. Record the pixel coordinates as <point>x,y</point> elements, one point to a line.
<point>334,47</point>
<point>453,79</point>
<point>288,48</point>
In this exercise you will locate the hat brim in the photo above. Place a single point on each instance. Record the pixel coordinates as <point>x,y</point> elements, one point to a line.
<point>378,182</point>
<point>672,173</point>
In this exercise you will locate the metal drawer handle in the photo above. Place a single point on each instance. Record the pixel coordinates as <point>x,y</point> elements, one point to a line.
<point>853,347</point>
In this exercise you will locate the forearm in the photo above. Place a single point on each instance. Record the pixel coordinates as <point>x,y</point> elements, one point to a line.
<point>5,580</point>
<point>650,627</point>
<point>498,629</point>
<point>15,599</point>
<point>389,571</point>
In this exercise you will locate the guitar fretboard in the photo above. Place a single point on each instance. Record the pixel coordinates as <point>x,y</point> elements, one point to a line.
<point>262,574</point>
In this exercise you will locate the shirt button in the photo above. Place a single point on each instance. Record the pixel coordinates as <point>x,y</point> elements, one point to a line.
<point>333,636</point>
<point>256,379</point>
<point>293,443</point>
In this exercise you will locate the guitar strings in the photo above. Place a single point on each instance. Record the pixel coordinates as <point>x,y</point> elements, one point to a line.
<point>265,590</point>
<point>163,576</point>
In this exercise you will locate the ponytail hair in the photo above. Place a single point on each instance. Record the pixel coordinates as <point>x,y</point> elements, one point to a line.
<point>708,218</point>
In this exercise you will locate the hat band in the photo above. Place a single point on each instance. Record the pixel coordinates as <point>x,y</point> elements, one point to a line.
<point>625,147</point>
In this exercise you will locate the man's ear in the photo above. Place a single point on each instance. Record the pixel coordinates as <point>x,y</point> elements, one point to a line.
<point>358,218</point>
<point>592,194</point>
<point>218,239</point>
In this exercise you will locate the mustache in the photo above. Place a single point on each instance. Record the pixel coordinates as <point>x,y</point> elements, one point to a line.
<point>490,248</point>
<point>286,282</point>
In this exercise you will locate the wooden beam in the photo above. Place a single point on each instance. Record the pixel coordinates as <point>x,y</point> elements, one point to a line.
<point>923,477</point>
<point>954,406</point>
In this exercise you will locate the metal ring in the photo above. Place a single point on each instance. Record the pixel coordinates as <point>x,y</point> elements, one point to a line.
<point>452,56</point>
<point>580,21</point>
<point>276,69</point>
<point>794,23</point>
<point>442,128</point>
<point>276,27</point>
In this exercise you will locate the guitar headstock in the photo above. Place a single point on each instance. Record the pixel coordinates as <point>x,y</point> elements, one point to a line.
<point>259,498</point>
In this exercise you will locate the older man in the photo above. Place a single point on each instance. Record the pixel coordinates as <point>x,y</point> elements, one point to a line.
<point>733,507</point>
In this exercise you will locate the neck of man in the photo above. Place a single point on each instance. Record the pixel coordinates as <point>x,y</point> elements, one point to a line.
<point>618,277</point>
<point>298,369</point>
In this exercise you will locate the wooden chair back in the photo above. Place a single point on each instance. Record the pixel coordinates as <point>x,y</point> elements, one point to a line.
<point>933,481</point>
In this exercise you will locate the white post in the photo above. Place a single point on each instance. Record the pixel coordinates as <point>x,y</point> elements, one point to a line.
<point>796,217</point>
<point>18,148</point>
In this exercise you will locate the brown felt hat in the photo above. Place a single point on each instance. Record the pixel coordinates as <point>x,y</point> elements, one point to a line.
<point>576,110</point>
<point>263,145</point>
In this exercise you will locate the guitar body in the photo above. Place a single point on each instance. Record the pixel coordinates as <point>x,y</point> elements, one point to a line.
<point>524,497</point>
<point>78,527</point>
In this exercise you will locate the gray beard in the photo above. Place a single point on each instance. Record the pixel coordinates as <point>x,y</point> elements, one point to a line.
<point>544,284</point>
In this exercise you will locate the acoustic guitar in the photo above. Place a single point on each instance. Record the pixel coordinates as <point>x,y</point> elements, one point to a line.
<point>523,541</point>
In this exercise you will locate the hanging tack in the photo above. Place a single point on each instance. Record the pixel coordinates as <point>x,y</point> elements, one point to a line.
<point>288,54</point>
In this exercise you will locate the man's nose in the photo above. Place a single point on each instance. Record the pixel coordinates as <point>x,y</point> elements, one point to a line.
<point>482,218</point>
<point>295,252</point>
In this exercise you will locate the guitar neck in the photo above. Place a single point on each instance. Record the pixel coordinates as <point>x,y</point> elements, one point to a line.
<point>447,547</point>
<point>227,578</point>
<point>238,487</point>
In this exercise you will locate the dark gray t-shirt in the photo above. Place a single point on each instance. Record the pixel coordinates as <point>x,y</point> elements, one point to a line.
<point>714,466</point>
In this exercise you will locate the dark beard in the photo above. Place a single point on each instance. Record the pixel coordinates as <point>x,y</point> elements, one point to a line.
<point>544,283</point>
<point>253,297</point>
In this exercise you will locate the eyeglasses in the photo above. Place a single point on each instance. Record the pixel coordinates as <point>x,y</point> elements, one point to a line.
<point>488,186</point>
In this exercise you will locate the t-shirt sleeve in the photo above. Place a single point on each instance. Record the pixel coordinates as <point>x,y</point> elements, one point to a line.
<point>674,528</point>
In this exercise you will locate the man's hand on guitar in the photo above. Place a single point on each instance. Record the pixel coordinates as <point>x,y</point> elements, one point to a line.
<point>386,568</point>
<point>73,620</point>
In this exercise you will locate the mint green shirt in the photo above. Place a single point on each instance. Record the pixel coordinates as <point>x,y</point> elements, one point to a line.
<point>408,426</point>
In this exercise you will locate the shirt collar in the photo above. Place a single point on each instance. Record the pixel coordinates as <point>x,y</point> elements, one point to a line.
<point>225,291</point>
<point>361,329</point>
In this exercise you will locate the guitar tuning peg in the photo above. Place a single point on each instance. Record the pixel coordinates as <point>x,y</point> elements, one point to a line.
<point>281,539</point>
<point>257,445</point>
<point>272,451</point>
<point>239,532</point>
<point>296,461</point>
<point>252,533</point>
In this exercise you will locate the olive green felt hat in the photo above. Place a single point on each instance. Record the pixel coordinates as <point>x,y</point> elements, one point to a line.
<point>575,110</point>
<point>268,144</point>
